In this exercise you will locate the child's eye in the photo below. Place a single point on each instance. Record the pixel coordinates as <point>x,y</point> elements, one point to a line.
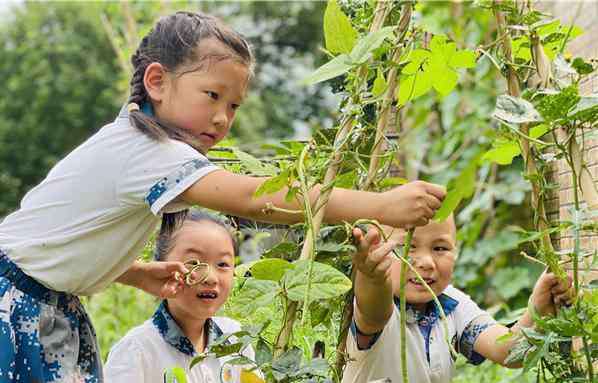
<point>441,248</point>
<point>224,265</point>
<point>211,94</point>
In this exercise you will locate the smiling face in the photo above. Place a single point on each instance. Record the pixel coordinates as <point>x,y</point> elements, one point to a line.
<point>204,101</point>
<point>433,253</point>
<point>210,243</point>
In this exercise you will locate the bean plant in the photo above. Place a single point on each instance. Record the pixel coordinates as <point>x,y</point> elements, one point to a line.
<point>383,62</point>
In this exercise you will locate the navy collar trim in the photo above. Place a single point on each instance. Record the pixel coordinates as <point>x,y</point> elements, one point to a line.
<point>173,334</point>
<point>448,306</point>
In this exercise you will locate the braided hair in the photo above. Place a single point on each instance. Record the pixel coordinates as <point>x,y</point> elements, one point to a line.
<point>173,42</point>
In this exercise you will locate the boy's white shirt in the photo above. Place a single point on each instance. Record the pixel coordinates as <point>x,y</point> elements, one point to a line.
<point>383,359</point>
<point>143,355</point>
<point>87,221</point>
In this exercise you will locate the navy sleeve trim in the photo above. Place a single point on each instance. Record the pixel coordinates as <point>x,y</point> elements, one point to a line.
<point>355,331</point>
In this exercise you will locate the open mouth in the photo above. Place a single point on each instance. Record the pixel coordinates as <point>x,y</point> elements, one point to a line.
<point>418,283</point>
<point>207,295</point>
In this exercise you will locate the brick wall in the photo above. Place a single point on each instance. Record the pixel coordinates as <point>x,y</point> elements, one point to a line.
<point>583,14</point>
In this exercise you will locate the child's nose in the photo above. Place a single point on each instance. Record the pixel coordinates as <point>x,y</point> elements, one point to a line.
<point>210,278</point>
<point>220,119</point>
<point>423,261</point>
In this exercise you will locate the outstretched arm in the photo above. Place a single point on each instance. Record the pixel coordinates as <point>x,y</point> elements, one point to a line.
<point>409,205</point>
<point>549,293</point>
<point>373,284</point>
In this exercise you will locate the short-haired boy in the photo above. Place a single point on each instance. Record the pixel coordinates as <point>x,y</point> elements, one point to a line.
<point>373,345</point>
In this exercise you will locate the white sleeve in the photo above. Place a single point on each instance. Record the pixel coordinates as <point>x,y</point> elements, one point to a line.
<point>471,321</point>
<point>125,363</point>
<point>158,172</point>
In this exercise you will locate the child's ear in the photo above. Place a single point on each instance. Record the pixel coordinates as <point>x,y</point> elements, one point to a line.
<point>155,80</point>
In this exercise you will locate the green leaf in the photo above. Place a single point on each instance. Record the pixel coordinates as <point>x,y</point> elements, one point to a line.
<point>416,61</point>
<point>450,203</point>
<point>521,49</point>
<point>263,354</point>
<point>544,28</point>
<point>379,84</point>
<point>346,180</point>
<point>287,363</point>
<point>240,360</point>
<point>555,105</point>
<point>515,110</point>
<point>272,269</point>
<point>461,187</point>
<point>463,59</point>
<point>517,352</point>
<point>586,109</point>
<point>253,165</point>
<point>315,367</point>
<point>175,375</point>
<point>439,43</point>
<point>465,182</point>
<point>319,312</point>
<point>198,359</point>
<point>255,293</point>
<point>333,68</point>
<point>327,282</point>
<point>503,153</point>
<point>538,130</point>
<point>224,349</point>
<point>413,86</point>
<point>281,250</point>
<point>392,182</point>
<point>444,79</point>
<point>366,45</point>
<point>581,66</point>
<point>433,69</point>
<point>338,32</point>
<point>504,338</point>
<point>273,184</point>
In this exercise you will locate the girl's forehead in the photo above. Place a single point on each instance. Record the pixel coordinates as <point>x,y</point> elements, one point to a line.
<point>204,235</point>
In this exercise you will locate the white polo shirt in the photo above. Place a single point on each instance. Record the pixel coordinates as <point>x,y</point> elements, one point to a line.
<point>428,356</point>
<point>147,351</point>
<point>88,220</point>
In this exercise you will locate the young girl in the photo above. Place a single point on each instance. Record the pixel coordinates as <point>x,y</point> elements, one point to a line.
<point>373,345</point>
<point>83,226</point>
<point>183,326</point>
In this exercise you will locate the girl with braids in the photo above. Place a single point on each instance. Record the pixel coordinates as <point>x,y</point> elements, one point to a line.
<point>183,326</point>
<point>83,226</point>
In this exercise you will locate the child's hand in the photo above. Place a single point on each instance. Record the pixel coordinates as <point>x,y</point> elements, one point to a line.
<point>163,279</point>
<point>550,293</point>
<point>412,204</point>
<point>373,258</point>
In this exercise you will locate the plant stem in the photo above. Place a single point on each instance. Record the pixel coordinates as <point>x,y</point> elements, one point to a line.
<point>403,306</point>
